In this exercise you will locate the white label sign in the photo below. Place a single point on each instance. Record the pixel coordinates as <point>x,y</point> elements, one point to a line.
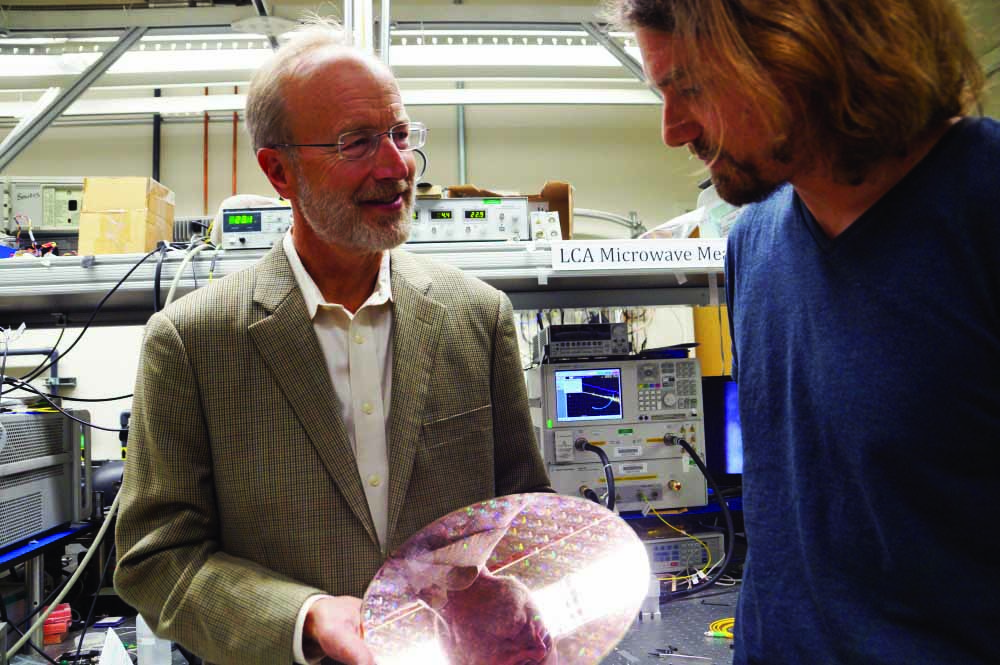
<point>626,469</point>
<point>681,253</point>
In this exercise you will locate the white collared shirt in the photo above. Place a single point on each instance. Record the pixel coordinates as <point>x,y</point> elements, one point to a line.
<point>357,349</point>
<point>358,352</point>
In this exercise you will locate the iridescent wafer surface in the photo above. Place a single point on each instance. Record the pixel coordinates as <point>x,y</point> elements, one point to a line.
<point>529,579</point>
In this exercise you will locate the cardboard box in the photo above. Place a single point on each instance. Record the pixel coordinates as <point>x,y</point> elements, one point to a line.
<point>122,232</point>
<point>558,195</point>
<point>127,193</point>
<point>124,215</point>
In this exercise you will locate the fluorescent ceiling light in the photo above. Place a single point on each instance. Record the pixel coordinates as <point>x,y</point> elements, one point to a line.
<point>196,104</point>
<point>547,96</point>
<point>519,55</point>
<point>191,57</point>
<point>458,32</point>
<point>151,62</point>
<point>30,66</point>
<point>22,41</point>
<point>410,82</point>
<point>45,41</point>
<point>155,62</point>
<point>208,37</point>
<point>187,105</point>
<point>414,81</point>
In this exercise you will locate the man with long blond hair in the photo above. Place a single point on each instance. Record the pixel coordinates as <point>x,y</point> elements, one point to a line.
<point>863,281</point>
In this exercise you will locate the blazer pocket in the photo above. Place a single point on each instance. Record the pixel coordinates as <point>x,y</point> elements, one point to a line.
<point>455,428</point>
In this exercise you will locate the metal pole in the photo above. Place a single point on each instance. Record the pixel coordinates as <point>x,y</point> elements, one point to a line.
<point>384,27</point>
<point>363,25</point>
<point>52,354</point>
<point>349,17</point>
<point>638,228</point>
<point>34,572</point>
<point>204,155</point>
<point>29,128</point>
<point>463,172</point>
<point>262,11</point>
<point>630,222</point>
<point>157,133</point>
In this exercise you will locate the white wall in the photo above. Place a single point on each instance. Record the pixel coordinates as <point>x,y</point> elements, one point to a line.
<point>612,155</point>
<point>104,364</point>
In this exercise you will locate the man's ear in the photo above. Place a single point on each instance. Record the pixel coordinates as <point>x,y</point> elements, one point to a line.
<point>274,164</point>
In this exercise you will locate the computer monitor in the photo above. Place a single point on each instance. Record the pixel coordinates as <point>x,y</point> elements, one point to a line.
<point>723,435</point>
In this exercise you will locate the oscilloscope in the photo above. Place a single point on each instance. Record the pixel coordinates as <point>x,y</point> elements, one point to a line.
<point>625,406</point>
<point>588,394</point>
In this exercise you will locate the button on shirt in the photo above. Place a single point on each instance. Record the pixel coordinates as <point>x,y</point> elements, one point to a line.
<point>358,352</point>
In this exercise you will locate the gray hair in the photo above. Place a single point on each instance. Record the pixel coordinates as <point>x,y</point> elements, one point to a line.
<point>265,112</point>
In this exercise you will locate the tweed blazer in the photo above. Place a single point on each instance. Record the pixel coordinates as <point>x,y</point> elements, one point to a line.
<point>241,495</point>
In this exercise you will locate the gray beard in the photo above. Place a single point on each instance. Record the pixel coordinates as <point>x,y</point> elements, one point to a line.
<point>337,220</point>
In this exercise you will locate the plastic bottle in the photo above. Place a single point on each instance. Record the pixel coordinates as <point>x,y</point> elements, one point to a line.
<point>152,649</point>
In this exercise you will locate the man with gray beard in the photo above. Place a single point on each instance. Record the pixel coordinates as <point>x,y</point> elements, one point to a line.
<point>297,421</point>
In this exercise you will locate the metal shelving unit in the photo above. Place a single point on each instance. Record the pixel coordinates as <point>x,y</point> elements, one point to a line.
<point>66,289</point>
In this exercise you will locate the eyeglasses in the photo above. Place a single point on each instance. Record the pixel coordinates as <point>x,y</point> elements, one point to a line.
<point>362,143</point>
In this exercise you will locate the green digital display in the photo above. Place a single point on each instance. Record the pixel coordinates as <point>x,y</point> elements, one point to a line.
<point>475,214</point>
<point>492,202</point>
<point>239,220</point>
<point>440,214</point>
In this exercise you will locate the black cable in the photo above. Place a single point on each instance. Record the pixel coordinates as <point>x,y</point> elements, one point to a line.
<point>38,370</point>
<point>18,383</point>
<point>423,169</point>
<point>671,439</point>
<point>32,389</point>
<point>194,274</point>
<point>609,476</point>
<point>156,279</point>
<point>97,593</point>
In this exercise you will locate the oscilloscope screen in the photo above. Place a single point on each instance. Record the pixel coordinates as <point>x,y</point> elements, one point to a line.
<point>588,394</point>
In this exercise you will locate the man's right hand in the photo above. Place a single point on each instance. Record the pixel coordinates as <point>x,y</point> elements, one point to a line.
<point>333,628</point>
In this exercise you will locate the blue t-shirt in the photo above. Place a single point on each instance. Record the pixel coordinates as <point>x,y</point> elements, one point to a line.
<point>869,374</point>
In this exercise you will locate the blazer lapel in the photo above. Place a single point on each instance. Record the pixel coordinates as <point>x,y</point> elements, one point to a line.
<point>417,322</point>
<point>287,342</point>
